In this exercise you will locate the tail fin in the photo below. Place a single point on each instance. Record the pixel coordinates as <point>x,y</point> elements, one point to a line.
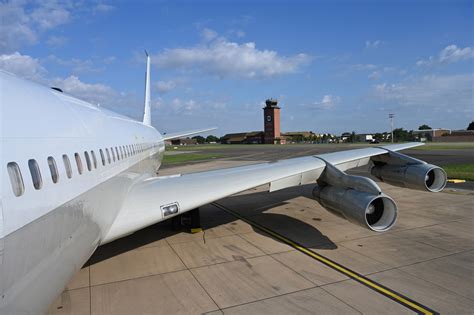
<point>147,112</point>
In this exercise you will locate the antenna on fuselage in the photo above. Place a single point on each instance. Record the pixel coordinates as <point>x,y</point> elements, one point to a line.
<point>147,112</point>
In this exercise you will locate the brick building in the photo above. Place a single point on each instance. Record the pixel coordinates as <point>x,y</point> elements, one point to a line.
<point>271,116</point>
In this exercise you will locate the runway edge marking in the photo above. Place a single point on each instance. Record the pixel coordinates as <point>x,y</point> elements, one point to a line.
<point>387,292</point>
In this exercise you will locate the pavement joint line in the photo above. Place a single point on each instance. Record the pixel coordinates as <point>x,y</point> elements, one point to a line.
<point>389,293</point>
<point>269,298</point>
<point>195,278</point>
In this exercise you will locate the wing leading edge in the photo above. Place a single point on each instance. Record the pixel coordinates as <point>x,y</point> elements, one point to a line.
<point>145,201</point>
<point>176,135</point>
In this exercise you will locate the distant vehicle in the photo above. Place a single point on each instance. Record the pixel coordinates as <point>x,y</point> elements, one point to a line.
<point>374,141</point>
<point>75,176</point>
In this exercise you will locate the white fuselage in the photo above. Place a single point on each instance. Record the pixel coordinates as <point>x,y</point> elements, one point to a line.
<point>48,232</point>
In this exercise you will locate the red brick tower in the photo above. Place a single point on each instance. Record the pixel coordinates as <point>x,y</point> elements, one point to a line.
<point>271,116</point>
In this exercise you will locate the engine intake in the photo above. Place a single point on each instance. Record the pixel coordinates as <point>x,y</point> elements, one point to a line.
<point>419,176</point>
<point>375,212</point>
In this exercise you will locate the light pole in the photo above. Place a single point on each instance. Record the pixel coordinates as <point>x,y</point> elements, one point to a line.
<point>391,123</point>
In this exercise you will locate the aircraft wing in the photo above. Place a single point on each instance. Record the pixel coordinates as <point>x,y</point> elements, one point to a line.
<point>176,135</point>
<point>146,200</point>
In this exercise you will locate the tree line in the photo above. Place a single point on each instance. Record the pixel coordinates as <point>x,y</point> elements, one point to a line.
<point>399,134</point>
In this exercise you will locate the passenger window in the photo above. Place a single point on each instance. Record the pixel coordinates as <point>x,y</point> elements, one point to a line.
<point>108,155</point>
<point>94,160</point>
<point>102,157</point>
<point>53,169</point>
<point>88,160</point>
<point>67,166</point>
<point>116,151</point>
<point>16,179</point>
<point>113,153</point>
<point>35,174</point>
<point>121,152</point>
<point>78,162</point>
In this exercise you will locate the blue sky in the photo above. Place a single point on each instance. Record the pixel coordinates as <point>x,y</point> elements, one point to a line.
<point>334,66</point>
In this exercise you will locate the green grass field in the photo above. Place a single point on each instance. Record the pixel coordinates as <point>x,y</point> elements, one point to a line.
<point>189,157</point>
<point>446,146</point>
<point>460,171</point>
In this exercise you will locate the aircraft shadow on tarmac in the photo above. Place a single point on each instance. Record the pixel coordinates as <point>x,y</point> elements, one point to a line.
<point>292,228</point>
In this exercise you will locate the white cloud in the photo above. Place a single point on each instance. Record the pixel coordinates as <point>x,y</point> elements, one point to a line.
<point>373,44</point>
<point>56,41</point>
<point>27,67</point>
<point>21,22</point>
<point>227,59</point>
<point>75,64</point>
<point>24,22</point>
<point>94,93</point>
<point>363,67</point>
<point>236,32</point>
<point>49,14</point>
<point>430,92</point>
<point>453,53</point>
<point>79,66</point>
<point>184,106</point>
<point>376,75</point>
<point>101,94</point>
<point>102,8</point>
<point>15,27</point>
<point>165,86</point>
<point>23,66</point>
<point>449,54</point>
<point>240,33</point>
<point>327,102</point>
<point>109,60</point>
<point>208,34</point>
<point>375,72</point>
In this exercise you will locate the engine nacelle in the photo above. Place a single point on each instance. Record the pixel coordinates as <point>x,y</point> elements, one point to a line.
<point>418,176</point>
<point>375,212</point>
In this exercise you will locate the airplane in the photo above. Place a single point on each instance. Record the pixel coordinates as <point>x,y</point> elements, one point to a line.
<point>75,176</point>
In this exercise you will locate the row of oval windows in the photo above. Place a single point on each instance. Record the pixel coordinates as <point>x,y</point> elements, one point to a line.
<point>115,153</point>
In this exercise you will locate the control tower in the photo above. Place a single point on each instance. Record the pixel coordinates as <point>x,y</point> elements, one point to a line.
<point>271,115</point>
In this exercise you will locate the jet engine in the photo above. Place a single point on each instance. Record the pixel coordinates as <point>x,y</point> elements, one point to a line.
<point>375,212</point>
<point>419,176</point>
<point>355,198</point>
<point>404,171</point>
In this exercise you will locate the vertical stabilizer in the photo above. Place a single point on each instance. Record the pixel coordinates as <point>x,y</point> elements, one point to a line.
<point>147,112</point>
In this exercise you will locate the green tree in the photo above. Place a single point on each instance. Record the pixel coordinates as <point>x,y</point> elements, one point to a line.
<point>212,138</point>
<point>297,138</point>
<point>424,127</point>
<point>400,134</point>
<point>352,137</point>
<point>471,126</point>
<point>324,138</point>
<point>199,139</point>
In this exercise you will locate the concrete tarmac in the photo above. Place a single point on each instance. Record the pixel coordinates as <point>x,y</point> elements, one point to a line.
<point>232,267</point>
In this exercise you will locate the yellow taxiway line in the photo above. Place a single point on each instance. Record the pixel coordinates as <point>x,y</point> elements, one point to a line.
<point>395,296</point>
<point>456,181</point>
